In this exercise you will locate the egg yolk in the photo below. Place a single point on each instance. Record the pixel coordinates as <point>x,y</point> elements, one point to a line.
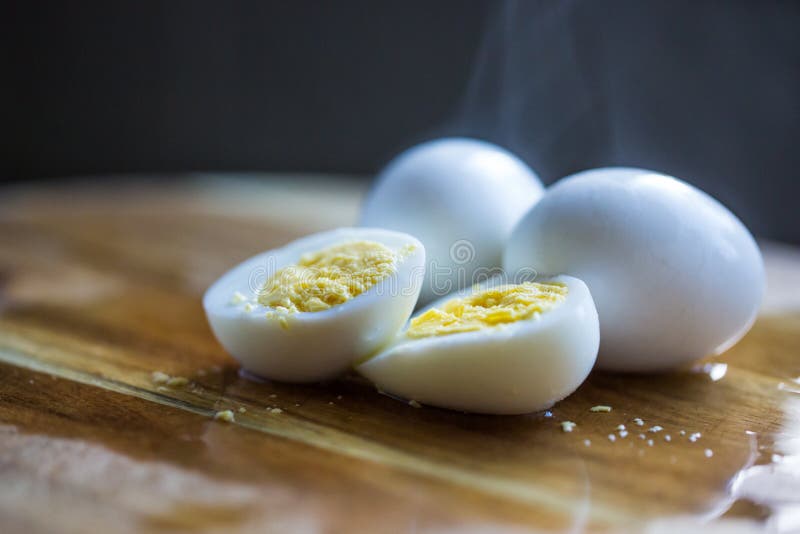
<point>328,277</point>
<point>489,307</point>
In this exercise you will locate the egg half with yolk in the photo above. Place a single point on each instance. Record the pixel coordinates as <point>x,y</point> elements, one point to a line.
<point>307,311</point>
<point>499,349</point>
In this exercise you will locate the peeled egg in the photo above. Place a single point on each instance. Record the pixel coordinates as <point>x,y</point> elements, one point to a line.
<point>461,198</point>
<point>498,349</point>
<point>674,274</point>
<point>307,311</point>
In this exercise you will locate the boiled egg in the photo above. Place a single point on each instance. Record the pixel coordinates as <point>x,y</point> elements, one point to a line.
<point>674,274</point>
<point>495,349</point>
<point>307,311</point>
<point>461,197</point>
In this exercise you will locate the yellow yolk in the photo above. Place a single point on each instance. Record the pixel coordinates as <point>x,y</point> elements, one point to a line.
<point>331,276</point>
<point>487,308</point>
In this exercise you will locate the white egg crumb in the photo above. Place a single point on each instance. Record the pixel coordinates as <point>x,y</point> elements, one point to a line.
<point>158,377</point>
<point>272,396</point>
<point>776,458</point>
<point>412,403</point>
<point>548,413</point>
<point>656,428</point>
<point>642,436</point>
<point>587,442</point>
<point>694,437</point>
<point>638,421</point>
<point>667,438</point>
<point>620,427</point>
<point>612,437</point>
<point>567,426</point>
<point>623,433</point>
<point>649,442</point>
<point>600,408</point>
<point>242,409</point>
<point>275,410</point>
<point>225,416</point>
<point>682,432</point>
<point>237,298</point>
<point>709,453</point>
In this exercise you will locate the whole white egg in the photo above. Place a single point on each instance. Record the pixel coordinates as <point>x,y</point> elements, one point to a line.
<point>674,274</point>
<point>307,346</point>
<point>507,366</point>
<point>461,198</point>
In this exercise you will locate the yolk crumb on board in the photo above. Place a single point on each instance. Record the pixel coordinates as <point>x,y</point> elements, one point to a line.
<point>177,381</point>
<point>225,415</point>
<point>161,378</point>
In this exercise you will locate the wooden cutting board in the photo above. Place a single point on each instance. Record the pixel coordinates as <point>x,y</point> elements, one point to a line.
<point>100,286</point>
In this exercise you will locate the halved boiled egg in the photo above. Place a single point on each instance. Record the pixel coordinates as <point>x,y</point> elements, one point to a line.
<point>307,311</point>
<point>500,349</point>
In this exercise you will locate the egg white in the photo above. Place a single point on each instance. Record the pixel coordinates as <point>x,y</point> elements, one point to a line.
<point>461,197</point>
<point>513,368</point>
<point>313,346</point>
<point>674,274</point>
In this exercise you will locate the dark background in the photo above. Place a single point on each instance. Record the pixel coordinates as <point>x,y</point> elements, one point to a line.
<point>707,91</point>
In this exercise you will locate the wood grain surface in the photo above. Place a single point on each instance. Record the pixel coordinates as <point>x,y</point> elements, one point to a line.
<point>101,286</point>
